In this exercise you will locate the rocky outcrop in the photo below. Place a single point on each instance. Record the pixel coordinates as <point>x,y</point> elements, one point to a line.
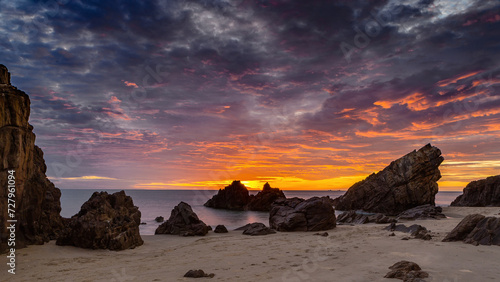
<point>255,229</point>
<point>232,197</point>
<point>353,217</point>
<point>416,230</point>
<point>406,271</point>
<point>265,198</point>
<point>476,229</point>
<point>480,193</point>
<point>220,229</point>
<point>105,221</point>
<point>406,183</point>
<point>160,219</point>
<point>422,212</point>
<point>237,197</point>
<point>184,222</point>
<point>198,273</point>
<point>296,214</point>
<point>37,200</point>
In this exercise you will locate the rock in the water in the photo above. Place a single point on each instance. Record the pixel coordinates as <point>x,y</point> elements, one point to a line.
<point>417,231</point>
<point>295,214</point>
<point>422,212</point>
<point>183,221</point>
<point>220,229</point>
<point>237,197</point>
<point>256,228</point>
<point>480,193</point>
<point>265,198</point>
<point>233,197</point>
<point>37,199</point>
<point>464,228</point>
<point>476,229</point>
<point>198,273</point>
<point>104,222</point>
<point>353,217</point>
<point>406,271</point>
<point>159,219</point>
<point>406,183</point>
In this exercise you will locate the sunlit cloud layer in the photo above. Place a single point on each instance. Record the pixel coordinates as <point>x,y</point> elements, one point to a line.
<point>303,94</point>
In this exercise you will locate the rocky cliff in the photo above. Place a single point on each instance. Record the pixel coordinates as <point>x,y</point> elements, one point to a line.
<point>406,183</point>
<point>37,205</point>
<point>480,193</point>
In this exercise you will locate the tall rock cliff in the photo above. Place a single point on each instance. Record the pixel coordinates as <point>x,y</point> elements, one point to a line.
<point>37,204</point>
<point>480,193</point>
<point>408,182</point>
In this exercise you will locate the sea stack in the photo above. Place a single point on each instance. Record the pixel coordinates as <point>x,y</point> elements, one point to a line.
<point>37,200</point>
<point>480,193</point>
<point>406,183</point>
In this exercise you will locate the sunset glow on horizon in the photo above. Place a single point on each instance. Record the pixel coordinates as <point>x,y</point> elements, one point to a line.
<point>195,94</point>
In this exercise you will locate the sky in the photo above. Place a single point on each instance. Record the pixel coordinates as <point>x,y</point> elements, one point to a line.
<point>303,94</point>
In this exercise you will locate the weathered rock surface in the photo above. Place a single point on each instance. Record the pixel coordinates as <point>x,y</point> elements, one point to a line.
<point>463,228</point>
<point>406,183</point>
<point>37,200</point>
<point>183,221</point>
<point>198,273</point>
<point>295,214</point>
<point>422,212</point>
<point>256,228</point>
<point>476,229</point>
<point>237,197</point>
<point>406,271</point>
<point>220,229</point>
<point>480,193</point>
<point>416,230</point>
<point>265,198</point>
<point>105,221</point>
<point>353,217</point>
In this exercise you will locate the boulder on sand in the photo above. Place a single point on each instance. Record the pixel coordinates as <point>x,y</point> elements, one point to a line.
<point>256,228</point>
<point>406,183</point>
<point>422,212</point>
<point>476,229</point>
<point>105,221</point>
<point>183,221</point>
<point>296,214</point>
<point>480,193</point>
<point>362,218</point>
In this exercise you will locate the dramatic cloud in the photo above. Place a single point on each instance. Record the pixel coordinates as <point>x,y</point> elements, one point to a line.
<point>305,94</point>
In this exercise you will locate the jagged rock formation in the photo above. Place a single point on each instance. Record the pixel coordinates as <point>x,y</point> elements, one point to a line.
<point>183,221</point>
<point>265,198</point>
<point>406,183</point>
<point>353,217</point>
<point>480,193</point>
<point>236,197</point>
<point>104,222</point>
<point>296,214</point>
<point>37,199</point>
<point>255,229</point>
<point>476,229</point>
<point>422,212</point>
<point>407,271</point>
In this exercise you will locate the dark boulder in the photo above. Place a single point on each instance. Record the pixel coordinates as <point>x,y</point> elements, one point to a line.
<point>353,217</point>
<point>198,273</point>
<point>422,212</point>
<point>255,229</point>
<point>233,197</point>
<point>464,228</point>
<point>220,229</point>
<point>265,198</point>
<point>406,183</point>
<point>406,271</point>
<point>159,219</point>
<point>105,221</point>
<point>295,214</point>
<point>183,221</point>
<point>486,232</point>
<point>480,193</point>
<point>416,230</point>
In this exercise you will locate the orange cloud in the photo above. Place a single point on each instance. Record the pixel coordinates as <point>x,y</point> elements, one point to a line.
<point>449,81</point>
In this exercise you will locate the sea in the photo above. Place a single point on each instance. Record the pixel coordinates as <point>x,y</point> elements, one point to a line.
<point>154,203</point>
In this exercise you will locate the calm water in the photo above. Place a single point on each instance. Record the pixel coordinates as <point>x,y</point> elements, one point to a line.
<point>153,203</point>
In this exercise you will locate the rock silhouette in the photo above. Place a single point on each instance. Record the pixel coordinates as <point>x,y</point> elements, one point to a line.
<point>480,193</point>
<point>406,183</point>
<point>183,221</point>
<point>105,221</point>
<point>37,200</point>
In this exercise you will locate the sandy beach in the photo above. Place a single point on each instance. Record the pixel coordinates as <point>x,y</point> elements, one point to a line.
<point>349,253</point>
